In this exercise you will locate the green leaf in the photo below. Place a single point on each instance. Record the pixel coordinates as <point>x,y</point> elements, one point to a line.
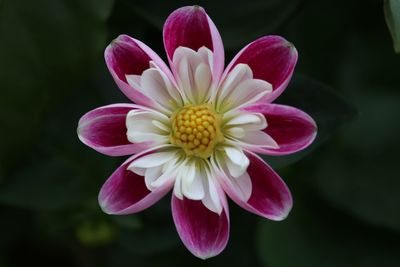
<point>392,16</point>
<point>323,104</point>
<point>315,235</point>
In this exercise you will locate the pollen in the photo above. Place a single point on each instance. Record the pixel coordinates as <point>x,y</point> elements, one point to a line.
<point>196,129</point>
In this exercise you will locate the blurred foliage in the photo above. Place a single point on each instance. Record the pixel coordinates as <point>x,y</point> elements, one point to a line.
<point>392,15</point>
<point>346,200</point>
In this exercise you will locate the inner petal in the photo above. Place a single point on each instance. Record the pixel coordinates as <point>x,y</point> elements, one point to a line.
<point>240,89</point>
<point>193,72</point>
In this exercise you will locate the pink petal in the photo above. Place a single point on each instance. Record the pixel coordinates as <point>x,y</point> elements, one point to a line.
<point>271,58</point>
<point>203,232</point>
<point>191,27</point>
<point>270,197</point>
<point>125,192</point>
<point>128,56</point>
<point>104,130</point>
<point>290,127</point>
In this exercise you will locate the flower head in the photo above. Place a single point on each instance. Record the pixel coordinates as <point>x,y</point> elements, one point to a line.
<point>195,128</point>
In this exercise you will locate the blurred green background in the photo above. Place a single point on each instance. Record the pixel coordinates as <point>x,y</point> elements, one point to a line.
<point>346,186</point>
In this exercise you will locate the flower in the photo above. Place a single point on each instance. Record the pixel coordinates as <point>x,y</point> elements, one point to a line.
<point>196,128</point>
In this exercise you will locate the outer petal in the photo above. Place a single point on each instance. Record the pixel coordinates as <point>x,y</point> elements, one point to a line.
<point>125,192</point>
<point>203,232</point>
<point>271,58</point>
<point>191,27</point>
<point>128,56</point>
<point>270,197</point>
<point>104,130</point>
<point>291,128</point>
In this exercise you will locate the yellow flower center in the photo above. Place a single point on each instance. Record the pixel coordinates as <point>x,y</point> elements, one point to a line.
<point>196,129</point>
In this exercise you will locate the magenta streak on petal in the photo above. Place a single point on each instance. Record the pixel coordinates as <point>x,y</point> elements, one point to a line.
<point>125,192</point>
<point>104,130</point>
<point>203,232</point>
<point>127,57</point>
<point>290,127</point>
<point>188,27</point>
<point>271,58</point>
<point>270,196</point>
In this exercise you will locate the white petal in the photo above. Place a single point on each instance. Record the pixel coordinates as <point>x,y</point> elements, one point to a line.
<point>192,183</point>
<point>239,73</point>
<point>259,138</point>
<point>211,198</point>
<point>172,90</point>
<point>160,125</point>
<point>243,186</point>
<point>162,179</point>
<point>246,93</point>
<point>243,118</point>
<point>235,132</point>
<point>178,186</point>
<point>234,169</point>
<point>133,80</point>
<point>140,127</point>
<point>193,73</point>
<point>152,160</point>
<point>139,137</point>
<point>152,174</point>
<point>237,157</point>
<point>203,79</point>
<point>153,85</point>
<point>207,56</point>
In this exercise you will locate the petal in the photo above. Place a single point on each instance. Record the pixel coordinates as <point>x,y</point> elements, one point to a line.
<point>203,232</point>
<point>211,193</point>
<point>128,56</point>
<point>245,129</point>
<point>147,125</point>
<point>191,27</point>
<point>155,84</point>
<point>291,128</point>
<point>272,59</point>
<point>236,161</point>
<point>270,197</point>
<point>104,130</point>
<point>240,89</point>
<point>152,160</point>
<point>125,192</point>
<point>192,184</point>
<point>193,74</point>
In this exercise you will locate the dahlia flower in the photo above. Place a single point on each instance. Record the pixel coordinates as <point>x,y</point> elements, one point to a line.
<point>196,128</point>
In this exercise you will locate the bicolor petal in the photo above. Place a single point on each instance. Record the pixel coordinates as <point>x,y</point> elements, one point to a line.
<point>104,130</point>
<point>291,128</point>
<point>125,192</point>
<point>204,232</point>
<point>269,197</point>
<point>191,27</point>
<point>272,59</point>
<point>128,56</point>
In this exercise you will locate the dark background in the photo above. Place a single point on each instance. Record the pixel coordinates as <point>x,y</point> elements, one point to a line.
<point>346,187</point>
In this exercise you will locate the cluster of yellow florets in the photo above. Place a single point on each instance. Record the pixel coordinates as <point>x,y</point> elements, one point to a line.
<point>196,130</point>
